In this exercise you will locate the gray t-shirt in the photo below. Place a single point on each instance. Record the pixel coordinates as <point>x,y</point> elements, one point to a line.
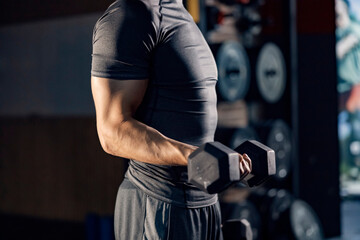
<point>158,40</point>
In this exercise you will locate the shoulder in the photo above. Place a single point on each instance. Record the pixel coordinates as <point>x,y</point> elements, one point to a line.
<point>126,18</point>
<point>134,12</point>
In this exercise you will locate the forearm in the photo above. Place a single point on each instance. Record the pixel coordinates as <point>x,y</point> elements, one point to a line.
<point>135,140</point>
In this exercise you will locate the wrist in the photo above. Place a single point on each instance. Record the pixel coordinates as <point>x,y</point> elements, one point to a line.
<point>186,150</point>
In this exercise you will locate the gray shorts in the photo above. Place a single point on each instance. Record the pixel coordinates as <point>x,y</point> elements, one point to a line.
<point>139,217</point>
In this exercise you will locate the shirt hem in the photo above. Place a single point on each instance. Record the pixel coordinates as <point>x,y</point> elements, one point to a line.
<point>190,204</point>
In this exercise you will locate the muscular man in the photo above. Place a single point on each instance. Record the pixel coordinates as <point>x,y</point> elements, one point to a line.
<point>153,83</point>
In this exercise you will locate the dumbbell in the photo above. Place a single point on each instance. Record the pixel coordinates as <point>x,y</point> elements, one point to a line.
<point>244,210</point>
<point>213,167</point>
<point>237,229</point>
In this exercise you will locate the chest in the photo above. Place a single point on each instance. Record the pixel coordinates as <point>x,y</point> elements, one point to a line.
<point>182,56</point>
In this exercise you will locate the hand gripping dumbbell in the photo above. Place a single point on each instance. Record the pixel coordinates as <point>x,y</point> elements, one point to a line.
<point>213,167</point>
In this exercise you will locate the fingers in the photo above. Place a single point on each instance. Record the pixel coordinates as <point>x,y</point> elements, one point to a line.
<point>245,165</point>
<point>248,161</point>
<point>241,165</point>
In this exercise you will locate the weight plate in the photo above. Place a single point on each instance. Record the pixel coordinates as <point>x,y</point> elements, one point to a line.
<point>273,206</point>
<point>240,135</point>
<point>304,222</point>
<point>233,70</point>
<point>281,201</point>
<point>271,73</point>
<point>279,139</point>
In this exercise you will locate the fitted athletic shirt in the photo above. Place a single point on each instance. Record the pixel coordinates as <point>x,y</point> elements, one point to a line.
<point>158,40</point>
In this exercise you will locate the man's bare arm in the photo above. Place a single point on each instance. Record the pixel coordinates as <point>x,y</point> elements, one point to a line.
<point>121,135</point>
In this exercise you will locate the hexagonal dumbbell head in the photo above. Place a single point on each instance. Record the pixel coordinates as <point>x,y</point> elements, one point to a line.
<point>237,229</point>
<point>213,167</point>
<point>262,159</point>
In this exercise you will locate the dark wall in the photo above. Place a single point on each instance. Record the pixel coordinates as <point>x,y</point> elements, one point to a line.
<point>45,67</point>
<point>51,163</point>
<point>315,118</point>
<point>17,11</point>
<point>54,168</point>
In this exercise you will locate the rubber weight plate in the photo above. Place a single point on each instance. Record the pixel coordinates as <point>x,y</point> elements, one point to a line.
<point>233,70</point>
<point>240,135</point>
<point>273,206</point>
<point>279,139</point>
<point>278,220</point>
<point>285,217</point>
<point>271,73</point>
<point>304,222</point>
<point>277,135</point>
<point>296,222</point>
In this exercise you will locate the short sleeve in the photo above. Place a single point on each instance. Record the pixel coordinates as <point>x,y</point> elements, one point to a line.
<point>123,39</point>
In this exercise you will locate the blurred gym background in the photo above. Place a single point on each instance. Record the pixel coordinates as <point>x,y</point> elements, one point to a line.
<point>289,74</point>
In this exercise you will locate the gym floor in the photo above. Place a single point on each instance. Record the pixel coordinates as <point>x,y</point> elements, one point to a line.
<point>350,220</point>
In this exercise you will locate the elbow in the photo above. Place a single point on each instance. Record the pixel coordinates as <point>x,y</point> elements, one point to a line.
<point>107,138</point>
<point>112,137</point>
<point>105,144</point>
